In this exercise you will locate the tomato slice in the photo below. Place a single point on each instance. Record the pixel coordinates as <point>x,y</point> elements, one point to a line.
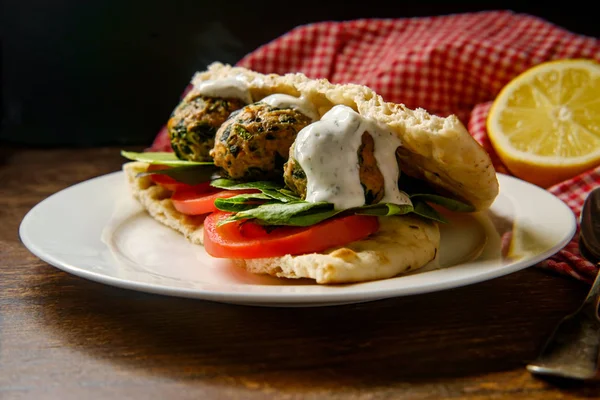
<point>201,201</point>
<point>171,184</point>
<point>247,239</point>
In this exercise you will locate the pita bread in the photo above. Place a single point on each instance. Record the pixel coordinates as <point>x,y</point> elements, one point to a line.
<point>439,150</point>
<point>402,243</point>
<point>156,200</point>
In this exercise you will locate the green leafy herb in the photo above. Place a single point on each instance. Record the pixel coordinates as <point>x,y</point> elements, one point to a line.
<point>245,198</point>
<point>191,175</point>
<point>289,193</point>
<point>230,184</point>
<point>385,209</point>
<point>278,195</point>
<point>283,213</point>
<point>243,132</point>
<point>241,202</point>
<point>312,217</point>
<point>271,189</point>
<point>272,210</point>
<point>161,158</point>
<point>276,205</point>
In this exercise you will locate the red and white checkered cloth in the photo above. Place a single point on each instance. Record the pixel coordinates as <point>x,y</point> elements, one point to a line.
<point>454,64</point>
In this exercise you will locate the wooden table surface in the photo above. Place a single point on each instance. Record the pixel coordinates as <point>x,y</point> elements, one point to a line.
<point>65,337</point>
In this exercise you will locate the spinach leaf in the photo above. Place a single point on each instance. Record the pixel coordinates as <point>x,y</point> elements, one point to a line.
<point>280,206</point>
<point>271,189</point>
<point>299,213</point>
<point>312,217</point>
<point>277,205</point>
<point>230,184</point>
<point>245,198</point>
<point>161,158</point>
<point>288,193</point>
<point>277,195</point>
<point>191,175</point>
<point>385,209</point>
<point>281,213</point>
<point>241,202</point>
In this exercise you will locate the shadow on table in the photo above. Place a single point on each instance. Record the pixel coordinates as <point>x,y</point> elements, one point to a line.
<point>489,327</point>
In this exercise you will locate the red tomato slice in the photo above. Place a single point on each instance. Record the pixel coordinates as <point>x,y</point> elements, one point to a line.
<point>246,239</point>
<point>171,184</point>
<point>202,201</point>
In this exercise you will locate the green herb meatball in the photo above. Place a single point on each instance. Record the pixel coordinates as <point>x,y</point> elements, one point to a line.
<point>194,123</point>
<point>371,178</point>
<point>254,143</point>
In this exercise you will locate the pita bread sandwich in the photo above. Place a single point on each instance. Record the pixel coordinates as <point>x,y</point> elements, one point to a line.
<point>302,178</point>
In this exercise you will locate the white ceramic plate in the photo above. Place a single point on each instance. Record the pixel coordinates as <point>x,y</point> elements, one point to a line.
<point>95,230</point>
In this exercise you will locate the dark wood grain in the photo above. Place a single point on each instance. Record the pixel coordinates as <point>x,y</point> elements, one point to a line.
<point>65,337</point>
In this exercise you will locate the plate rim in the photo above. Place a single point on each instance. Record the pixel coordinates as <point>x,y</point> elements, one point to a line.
<point>289,298</point>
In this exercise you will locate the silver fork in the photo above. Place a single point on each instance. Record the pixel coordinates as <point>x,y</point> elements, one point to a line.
<point>572,350</point>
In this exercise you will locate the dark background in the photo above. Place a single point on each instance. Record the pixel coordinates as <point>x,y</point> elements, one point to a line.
<point>84,73</point>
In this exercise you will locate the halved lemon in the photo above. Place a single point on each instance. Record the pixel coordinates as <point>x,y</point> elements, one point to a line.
<point>545,123</point>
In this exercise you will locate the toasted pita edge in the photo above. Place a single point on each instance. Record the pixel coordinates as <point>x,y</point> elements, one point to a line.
<point>402,244</point>
<point>156,200</point>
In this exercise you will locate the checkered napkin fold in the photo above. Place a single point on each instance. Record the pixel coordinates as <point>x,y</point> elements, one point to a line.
<point>453,64</point>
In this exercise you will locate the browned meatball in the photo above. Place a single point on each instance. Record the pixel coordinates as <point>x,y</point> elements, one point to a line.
<point>254,143</point>
<point>194,123</point>
<point>371,178</point>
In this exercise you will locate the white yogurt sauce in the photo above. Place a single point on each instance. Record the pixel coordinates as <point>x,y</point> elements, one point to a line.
<point>297,103</point>
<point>225,88</point>
<point>327,151</point>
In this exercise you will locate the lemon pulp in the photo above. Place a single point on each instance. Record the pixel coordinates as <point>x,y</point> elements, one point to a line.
<point>545,123</point>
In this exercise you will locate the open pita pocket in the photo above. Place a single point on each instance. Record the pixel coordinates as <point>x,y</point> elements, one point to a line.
<point>437,150</point>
